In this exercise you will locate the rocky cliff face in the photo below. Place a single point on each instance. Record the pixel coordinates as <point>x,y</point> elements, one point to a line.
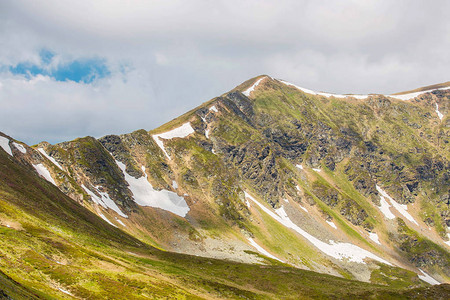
<point>347,185</point>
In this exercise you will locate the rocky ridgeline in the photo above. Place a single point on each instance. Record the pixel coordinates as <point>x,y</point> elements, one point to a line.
<point>270,143</point>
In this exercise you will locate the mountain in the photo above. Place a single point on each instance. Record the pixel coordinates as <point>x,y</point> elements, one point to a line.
<point>269,190</point>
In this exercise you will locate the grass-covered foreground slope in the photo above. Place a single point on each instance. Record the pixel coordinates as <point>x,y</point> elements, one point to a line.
<point>53,247</point>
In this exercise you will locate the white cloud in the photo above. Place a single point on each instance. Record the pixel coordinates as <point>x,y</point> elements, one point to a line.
<point>179,54</point>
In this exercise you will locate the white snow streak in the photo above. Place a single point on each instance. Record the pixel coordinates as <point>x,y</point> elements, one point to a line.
<point>317,170</point>
<point>331,223</point>
<point>407,96</point>
<point>410,96</point>
<point>145,195</point>
<point>108,221</point>
<point>120,222</point>
<point>304,208</point>
<point>401,208</point>
<point>311,92</point>
<point>49,158</point>
<point>262,250</point>
<point>374,237</point>
<point>440,115</point>
<point>64,291</point>
<point>252,88</point>
<point>427,278</point>
<point>4,143</point>
<point>299,88</point>
<point>448,242</point>
<point>400,97</point>
<point>20,147</point>
<point>384,208</point>
<point>299,166</point>
<point>104,200</point>
<point>206,130</point>
<point>42,170</point>
<point>213,108</point>
<point>341,251</point>
<point>179,132</point>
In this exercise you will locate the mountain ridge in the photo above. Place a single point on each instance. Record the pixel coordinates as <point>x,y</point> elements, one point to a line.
<point>354,187</point>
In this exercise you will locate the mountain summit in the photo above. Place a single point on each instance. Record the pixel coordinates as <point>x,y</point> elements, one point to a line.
<point>269,175</point>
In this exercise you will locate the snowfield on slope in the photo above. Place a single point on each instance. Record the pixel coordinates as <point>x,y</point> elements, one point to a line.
<point>262,250</point>
<point>374,237</point>
<point>42,170</point>
<point>401,208</point>
<point>427,278</point>
<point>311,92</point>
<point>4,143</point>
<point>20,147</point>
<point>104,200</point>
<point>331,223</point>
<point>403,97</point>
<point>179,132</point>
<point>410,96</point>
<point>42,151</point>
<point>145,195</point>
<point>384,208</point>
<point>104,218</point>
<point>341,251</point>
<point>440,115</point>
<point>252,88</point>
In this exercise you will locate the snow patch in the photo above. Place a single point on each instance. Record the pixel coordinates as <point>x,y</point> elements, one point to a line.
<point>104,200</point>
<point>108,221</point>
<point>311,92</point>
<point>20,147</point>
<point>304,208</point>
<point>49,158</point>
<point>401,208</point>
<point>42,170</point>
<point>286,200</point>
<point>342,251</point>
<point>4,143</point>
<point>410,96</point>
<point>427,278</point>
<point>448,236</point>
<point>252,88</point>
<point>213,108</point>
<point>145,195</point>
<point>120,222</point>
<point>262,250</point>
<point>438,112</point>
<point>174,185</point>
<point>179,132</point>
<point>331,223</point>
<point>407,96</point>
<point>374,237</point>
<point>65,291</point>
<point>299,166</point>
<point>317,170</point>
<point>299,88</point>
<point>384,208</point>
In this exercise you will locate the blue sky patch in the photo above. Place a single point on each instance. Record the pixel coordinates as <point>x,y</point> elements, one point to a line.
<point>80,70</point>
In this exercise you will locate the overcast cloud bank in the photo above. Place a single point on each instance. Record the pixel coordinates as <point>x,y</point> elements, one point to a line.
<point>161,58</point>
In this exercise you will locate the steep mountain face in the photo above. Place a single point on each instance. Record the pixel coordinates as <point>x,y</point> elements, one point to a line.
<point>356,186</point>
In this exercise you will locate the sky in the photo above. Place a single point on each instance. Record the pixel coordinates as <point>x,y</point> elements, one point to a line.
<point>75,68</point>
